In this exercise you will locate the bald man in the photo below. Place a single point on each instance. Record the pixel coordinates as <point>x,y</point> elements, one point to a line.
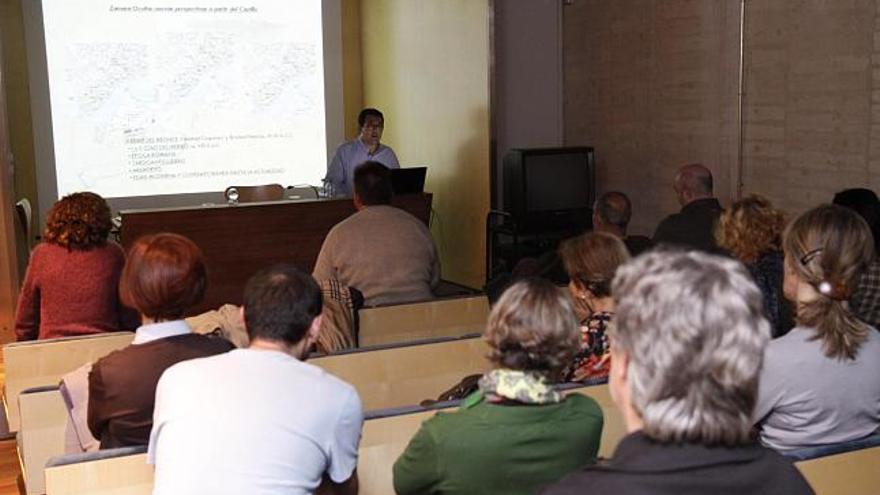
<point>693,227</point>
<point>611,213</point>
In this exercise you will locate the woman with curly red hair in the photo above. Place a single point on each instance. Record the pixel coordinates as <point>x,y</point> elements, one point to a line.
<point>71,283</point>
<point>751,230</point>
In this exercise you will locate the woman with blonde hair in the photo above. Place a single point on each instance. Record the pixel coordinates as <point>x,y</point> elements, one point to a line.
<point>821,382</point>
<point>516,434</point>
<point>591,261</point>
<point>751,230</point>
<point>70,287</point>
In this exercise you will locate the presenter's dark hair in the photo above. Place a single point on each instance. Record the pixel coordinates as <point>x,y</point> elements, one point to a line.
<point>164,275</point>
<point>372,183</point>
<point>369,112</point>
<point>78,221</point>
<point>280,303</point>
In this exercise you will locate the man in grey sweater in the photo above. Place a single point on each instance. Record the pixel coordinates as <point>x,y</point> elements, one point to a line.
<point>383,251</point>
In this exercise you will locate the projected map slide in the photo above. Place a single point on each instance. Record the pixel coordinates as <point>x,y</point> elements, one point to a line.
<point>166,96</point>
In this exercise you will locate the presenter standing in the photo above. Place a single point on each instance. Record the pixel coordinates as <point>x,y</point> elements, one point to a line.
<point>365,147</point>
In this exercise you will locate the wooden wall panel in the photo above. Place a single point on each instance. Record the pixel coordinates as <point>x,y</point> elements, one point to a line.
<point>652,85</point>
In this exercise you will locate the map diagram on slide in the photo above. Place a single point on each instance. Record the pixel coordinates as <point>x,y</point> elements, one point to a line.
<point>170,112</point>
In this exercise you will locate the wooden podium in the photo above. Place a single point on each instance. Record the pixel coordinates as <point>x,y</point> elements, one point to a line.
<point>239,240</point>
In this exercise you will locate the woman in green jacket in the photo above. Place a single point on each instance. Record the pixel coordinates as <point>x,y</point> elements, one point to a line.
<point>516,434</point>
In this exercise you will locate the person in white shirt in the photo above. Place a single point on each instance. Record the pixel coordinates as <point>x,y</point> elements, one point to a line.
<point>259,420</point>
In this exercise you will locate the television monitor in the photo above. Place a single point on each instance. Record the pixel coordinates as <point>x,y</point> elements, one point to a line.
<point>550,188</point>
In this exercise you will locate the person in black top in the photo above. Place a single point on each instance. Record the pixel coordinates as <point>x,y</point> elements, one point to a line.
<point>685,360</point>
<point>693,227</point>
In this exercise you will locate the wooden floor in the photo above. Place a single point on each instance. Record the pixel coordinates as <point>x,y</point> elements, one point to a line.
<point>9,468</point>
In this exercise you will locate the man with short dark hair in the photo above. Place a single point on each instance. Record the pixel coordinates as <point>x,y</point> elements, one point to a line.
<point>611,214</point>
<point>694,226</point>
<point>365,147</point>
<point>259,420</point>
<point>383,251</point>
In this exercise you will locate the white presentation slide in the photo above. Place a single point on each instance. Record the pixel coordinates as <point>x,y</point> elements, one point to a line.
<point>156,97</point>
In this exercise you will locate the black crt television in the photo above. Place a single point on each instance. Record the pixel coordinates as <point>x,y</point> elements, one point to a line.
<point>550,188</point>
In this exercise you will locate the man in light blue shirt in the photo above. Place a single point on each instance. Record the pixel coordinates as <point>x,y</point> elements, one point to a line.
<point>365,147</point>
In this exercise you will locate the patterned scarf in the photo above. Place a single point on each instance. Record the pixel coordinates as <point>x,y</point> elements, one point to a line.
<point>520,386</point>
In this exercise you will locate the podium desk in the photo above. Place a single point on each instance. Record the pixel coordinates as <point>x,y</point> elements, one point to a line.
<point>239,240</point>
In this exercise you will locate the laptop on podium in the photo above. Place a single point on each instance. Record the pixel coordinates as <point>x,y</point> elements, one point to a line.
<point>410,180</point>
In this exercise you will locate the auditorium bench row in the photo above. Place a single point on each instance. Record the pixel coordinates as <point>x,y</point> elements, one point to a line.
<point>125,471</point>
<point>40,363</point>
<point>384,376</point>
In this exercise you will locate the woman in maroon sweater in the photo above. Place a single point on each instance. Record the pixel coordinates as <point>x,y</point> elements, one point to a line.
<point>71,285</point>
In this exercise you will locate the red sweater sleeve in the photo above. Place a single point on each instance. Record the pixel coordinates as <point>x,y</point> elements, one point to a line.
<point>27,315</point>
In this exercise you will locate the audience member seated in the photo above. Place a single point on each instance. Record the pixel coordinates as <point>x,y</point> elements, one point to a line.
<point>163,277</point>
<point>751,230</point>
<point>365,147</point>
<point>686,354</point>
<point>259,420</point>
<point>611,214</point>
<point>516,434</point>
<point>71,283</point>
<point>821,382</point>
<point>382,251</point>
<point>865,300</point>
<point>591,261</point>
<point>694,226</point>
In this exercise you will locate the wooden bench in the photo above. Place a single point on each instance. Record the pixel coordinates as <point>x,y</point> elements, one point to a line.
<point>388,376</point>
<point>403,375</point>
<point>451,317</point>
<point>852,473</point>
<point>38,363</point>
<point>121,471</point>
<point>42,433</point>
<point>383,440</point>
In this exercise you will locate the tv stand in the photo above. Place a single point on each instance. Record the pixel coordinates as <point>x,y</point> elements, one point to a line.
<point>507,243</point>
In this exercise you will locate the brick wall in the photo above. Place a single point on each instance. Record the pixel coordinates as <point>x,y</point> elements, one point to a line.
<point>652,84</point>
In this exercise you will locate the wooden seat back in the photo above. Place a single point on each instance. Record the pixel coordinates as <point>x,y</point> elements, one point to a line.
<point>383,440</point>
<point>450,317</point>
<point>122,474</point>
<point>851,473</point>
<point>406,375</point>
<point>42,434</point>
<point>39,363</point>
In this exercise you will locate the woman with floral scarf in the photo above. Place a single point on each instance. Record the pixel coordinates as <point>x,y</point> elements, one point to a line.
<point>516,434</point>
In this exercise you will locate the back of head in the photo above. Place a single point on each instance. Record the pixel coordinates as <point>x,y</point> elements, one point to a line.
<point>614,208</point>
<point>865,203</point>
<point>533,328</point>
<point>750,228</point>
<point>692,325</point>
<point>372,184</point>
<point>694,182</point>
<point>78,221</point>
<point>280,303</point>
<point>164,275</point>
<point>828,248</point>
<point>592,259</point>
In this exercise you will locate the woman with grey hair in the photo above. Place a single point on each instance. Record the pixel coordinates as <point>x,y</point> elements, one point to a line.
<point>686,355</point>
<point>821,382</point>
<point>516,434</point>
